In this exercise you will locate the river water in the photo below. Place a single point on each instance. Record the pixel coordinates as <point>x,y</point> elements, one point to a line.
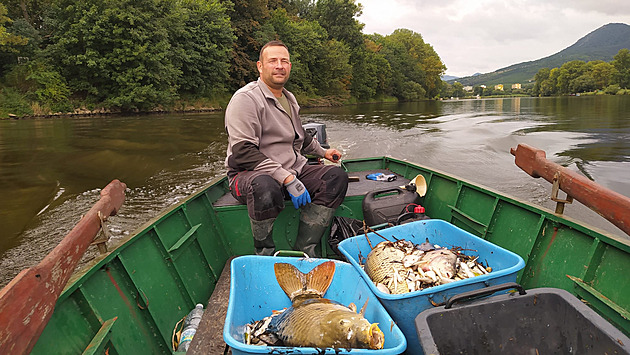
<point>52,170</point>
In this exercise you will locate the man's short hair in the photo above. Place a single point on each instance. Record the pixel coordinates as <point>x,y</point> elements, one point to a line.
<point>271,44</point>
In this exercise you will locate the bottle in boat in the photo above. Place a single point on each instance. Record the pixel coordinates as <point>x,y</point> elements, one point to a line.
<point>191,323</point>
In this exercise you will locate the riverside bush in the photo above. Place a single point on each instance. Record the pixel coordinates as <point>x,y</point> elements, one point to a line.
<point>12,102</point>
<point>612,89</point>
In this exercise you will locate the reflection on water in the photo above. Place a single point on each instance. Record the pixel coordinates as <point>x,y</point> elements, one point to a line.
<point>51,170</point>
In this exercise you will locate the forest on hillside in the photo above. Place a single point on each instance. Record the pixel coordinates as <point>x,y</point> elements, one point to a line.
<point>578,76</point>
<point>146,55</point>
<point>595,77</point>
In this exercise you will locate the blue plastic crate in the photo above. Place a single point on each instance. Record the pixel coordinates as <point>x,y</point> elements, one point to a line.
<point>254,293</point>
<point>403,308</point>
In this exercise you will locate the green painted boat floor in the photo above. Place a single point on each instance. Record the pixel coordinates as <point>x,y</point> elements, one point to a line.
<point>209,336</point>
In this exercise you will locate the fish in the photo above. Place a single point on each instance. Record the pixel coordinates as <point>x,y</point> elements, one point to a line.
<point>441,261</point>
<point>402,266</point>
<point>315,321</point>
<point>383,265</point>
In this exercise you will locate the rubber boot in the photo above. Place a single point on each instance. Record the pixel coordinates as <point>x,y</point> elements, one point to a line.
<point>263,236</point>
<point>314,219</point>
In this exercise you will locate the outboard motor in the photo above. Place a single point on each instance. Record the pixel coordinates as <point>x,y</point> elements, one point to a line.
<point>318,131</point>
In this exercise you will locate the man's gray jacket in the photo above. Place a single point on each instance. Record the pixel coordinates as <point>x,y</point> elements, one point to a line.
<point>263,137</point>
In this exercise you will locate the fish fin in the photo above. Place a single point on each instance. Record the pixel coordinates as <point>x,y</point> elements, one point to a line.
<point>290,279</point>
<point>353,307</point>
<point>362,313</point>
<point>376,336</point>
<point>318,280</point>
<point>295,283</point>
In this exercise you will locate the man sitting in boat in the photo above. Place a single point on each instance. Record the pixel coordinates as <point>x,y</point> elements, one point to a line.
<point>265,162</point>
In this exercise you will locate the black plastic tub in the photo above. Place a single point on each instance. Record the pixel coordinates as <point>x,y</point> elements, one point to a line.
<point>539,321</point>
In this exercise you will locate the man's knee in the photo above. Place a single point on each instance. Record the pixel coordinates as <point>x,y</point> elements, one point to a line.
<point>267,197</point>
<point>336,180</point>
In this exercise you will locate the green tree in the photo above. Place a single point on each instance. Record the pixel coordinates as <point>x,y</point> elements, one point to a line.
<point>412,60</point>
<point>446,91</point>
<point>602,73</point>
<point>569,71</point>
<point>583,83</point>
<point>247,18</point>
<point>539,78</point>
<point>116,52</point>
<point>621,62</point>
<point>304,39</point>
<point>338,17</point>
<point>333,69</point>
<point>201,42</point>
<point>10,42</point>
<point>8,39</point>
<point>411,91</point>
<point>34,12</point>
<point>42,83</point>
<point>320,65</point>
<point>458,89</point>
<point>372,74</point>
<point>550,86</point>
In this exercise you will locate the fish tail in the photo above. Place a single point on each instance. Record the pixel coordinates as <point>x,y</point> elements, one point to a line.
<point>295,283</point>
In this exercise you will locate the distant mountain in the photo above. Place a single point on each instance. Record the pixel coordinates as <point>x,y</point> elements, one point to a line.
<point>449,77</point>
<point>601,44</point>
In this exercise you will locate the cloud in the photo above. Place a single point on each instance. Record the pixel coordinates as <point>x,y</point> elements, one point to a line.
<point>486,35</point>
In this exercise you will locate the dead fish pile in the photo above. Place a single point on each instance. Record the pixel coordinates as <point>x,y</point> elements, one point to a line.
<point>402,266</point>
<point>314,321</point>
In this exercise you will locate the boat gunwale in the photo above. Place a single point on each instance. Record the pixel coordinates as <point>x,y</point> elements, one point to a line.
<point>619,241</point>
<point>101,260</point>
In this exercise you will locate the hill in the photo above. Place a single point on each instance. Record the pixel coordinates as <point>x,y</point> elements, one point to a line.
<point>601,44</point>
<point>449,77</point>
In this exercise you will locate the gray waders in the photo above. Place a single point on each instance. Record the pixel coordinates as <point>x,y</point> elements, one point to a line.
<point>314,219</point>
<point>263,236</point>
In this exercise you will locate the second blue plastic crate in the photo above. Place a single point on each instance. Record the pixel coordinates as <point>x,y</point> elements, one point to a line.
<point>403,308</point>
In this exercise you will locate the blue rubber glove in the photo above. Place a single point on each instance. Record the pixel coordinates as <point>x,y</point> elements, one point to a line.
<point>297,191</point>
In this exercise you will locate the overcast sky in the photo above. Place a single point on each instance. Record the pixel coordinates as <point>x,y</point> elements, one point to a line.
<point>482,36</point>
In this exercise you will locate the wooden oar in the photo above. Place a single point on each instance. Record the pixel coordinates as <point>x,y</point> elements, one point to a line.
<point>609,204</point>
<point>28,301</point>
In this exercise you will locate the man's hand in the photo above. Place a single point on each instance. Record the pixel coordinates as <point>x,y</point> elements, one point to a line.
<point>333,155</point>
<point>297,191</point>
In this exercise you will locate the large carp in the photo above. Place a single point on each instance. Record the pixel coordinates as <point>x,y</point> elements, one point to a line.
<point>383,265</point>
<point>315,321</point>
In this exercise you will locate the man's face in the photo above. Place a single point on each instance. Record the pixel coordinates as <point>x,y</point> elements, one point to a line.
<point>275,66</point>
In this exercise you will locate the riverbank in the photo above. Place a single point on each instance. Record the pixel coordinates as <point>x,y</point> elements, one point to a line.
<point>195,106</point>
